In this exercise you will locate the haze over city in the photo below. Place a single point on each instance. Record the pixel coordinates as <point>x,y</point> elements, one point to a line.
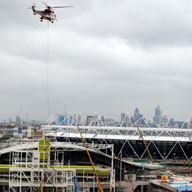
<point>104,56</point>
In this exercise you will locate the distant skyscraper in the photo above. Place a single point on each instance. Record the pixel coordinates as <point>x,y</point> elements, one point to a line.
<point>137,115</point>
<point>60,119</point>
<point>158,115</point>
<point>158,111</point>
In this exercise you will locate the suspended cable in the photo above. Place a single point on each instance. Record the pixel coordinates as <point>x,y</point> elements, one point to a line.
<point>48,107</point>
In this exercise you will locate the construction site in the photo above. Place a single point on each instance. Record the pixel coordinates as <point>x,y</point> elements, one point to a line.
<point>106,56</point>
<point>66,158</point>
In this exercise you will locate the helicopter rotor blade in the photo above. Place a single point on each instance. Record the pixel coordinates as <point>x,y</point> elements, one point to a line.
<point>55,7</point>
<point>46,5</point>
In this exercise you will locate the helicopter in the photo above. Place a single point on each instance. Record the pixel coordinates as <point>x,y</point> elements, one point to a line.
<point>48,13</point>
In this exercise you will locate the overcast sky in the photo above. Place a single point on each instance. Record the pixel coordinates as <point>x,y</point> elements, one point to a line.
<point>106,56</point>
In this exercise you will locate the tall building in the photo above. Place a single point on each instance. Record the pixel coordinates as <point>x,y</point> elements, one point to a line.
<point>137,115</point>
<point>158,115</point>
<point>158,111</point>
<point>60,119</point>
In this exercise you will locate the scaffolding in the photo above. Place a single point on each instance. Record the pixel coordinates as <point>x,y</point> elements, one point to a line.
<point>32,167</point>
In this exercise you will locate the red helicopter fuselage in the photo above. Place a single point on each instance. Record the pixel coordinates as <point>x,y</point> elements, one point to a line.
<point>47,14</point>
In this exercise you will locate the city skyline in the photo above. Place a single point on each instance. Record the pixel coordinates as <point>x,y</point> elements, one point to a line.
<point>135,115</point>
<point>104,56</point>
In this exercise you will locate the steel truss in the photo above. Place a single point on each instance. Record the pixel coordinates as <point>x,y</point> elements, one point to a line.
<point>166,143</point>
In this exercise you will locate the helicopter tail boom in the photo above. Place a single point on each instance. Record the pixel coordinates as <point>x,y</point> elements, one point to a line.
<point>34,11</point>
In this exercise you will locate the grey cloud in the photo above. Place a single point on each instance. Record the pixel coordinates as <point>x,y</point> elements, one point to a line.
<point>139,22</point>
